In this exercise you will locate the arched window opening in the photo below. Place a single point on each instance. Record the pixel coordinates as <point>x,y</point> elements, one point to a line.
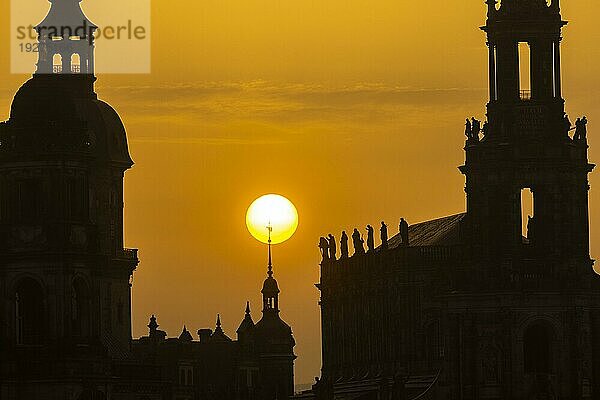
<point>537,349</point>
<point>80,308</point>
<point>75,63</point>
<point>29,312</point>
<point>525,71</point>
<point>527,216</point>
<point>57,64</point>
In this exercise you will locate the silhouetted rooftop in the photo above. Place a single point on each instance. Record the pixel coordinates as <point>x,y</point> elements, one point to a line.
<point>441,231</point>
<point>272,328</point>
<point>53,113</point>
<point>247,322</point>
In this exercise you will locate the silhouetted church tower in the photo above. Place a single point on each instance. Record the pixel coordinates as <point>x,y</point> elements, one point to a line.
<point>275,344</point>
<point>526,143</point>
<point>527,146</point>
<point>475,305</point>
<point>64,273</point>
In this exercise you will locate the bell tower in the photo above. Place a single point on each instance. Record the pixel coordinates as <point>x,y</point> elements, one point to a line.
<point>65,291</point>
<point>527,143</point>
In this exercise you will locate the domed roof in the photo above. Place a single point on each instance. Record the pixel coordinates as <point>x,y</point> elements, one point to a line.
<point>65,13</point>
<point>61,113</point>
<point>270,286</point>
<point>272,329</point>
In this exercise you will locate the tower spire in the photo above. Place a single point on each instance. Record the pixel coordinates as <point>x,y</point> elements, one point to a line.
<point>270,289</point>
<point>270,267</point>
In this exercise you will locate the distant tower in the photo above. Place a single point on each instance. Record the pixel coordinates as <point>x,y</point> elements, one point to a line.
<point>64,273</point>
<point>274,344</point>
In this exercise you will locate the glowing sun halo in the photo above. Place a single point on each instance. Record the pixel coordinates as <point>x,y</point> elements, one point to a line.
<point>275,210</point>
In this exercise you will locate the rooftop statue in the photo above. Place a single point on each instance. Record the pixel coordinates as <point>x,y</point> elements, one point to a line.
<point>476,128</point>
<point>566,125</point>
<point>384,235</point>
<point>358,242</point>
<point>580,129</point>
<point>344,245</point>
<point>468,129</point>
<point>370,238</point>
<point>485,130</point>
<point>472,129</point>
<point>324,247</point>
<point>404,231</point>
<point>332,247</point>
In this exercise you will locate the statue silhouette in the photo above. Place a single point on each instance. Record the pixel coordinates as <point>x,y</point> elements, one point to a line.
<point>384,235</point>
<point>485,129</point>
<point>370,238</point>
<point>332,247</point>
<point>324,247</point>
<point>468,129</point>
<point>344,245</point>
<point>475,128</point>
<point>404,231</point>
<point>358,242</point>
<point>580,129</point>
<point>566,125</point>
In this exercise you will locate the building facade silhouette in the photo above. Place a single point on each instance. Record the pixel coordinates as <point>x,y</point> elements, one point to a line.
<point>469,306</point>
<point>65,276</point>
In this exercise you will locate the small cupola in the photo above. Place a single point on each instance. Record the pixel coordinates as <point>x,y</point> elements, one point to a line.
<point>66,40</point>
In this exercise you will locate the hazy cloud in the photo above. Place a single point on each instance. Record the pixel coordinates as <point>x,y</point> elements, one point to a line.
<point>224,113</point>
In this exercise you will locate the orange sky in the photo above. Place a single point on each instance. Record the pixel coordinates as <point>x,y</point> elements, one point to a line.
<point>352,109</point>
